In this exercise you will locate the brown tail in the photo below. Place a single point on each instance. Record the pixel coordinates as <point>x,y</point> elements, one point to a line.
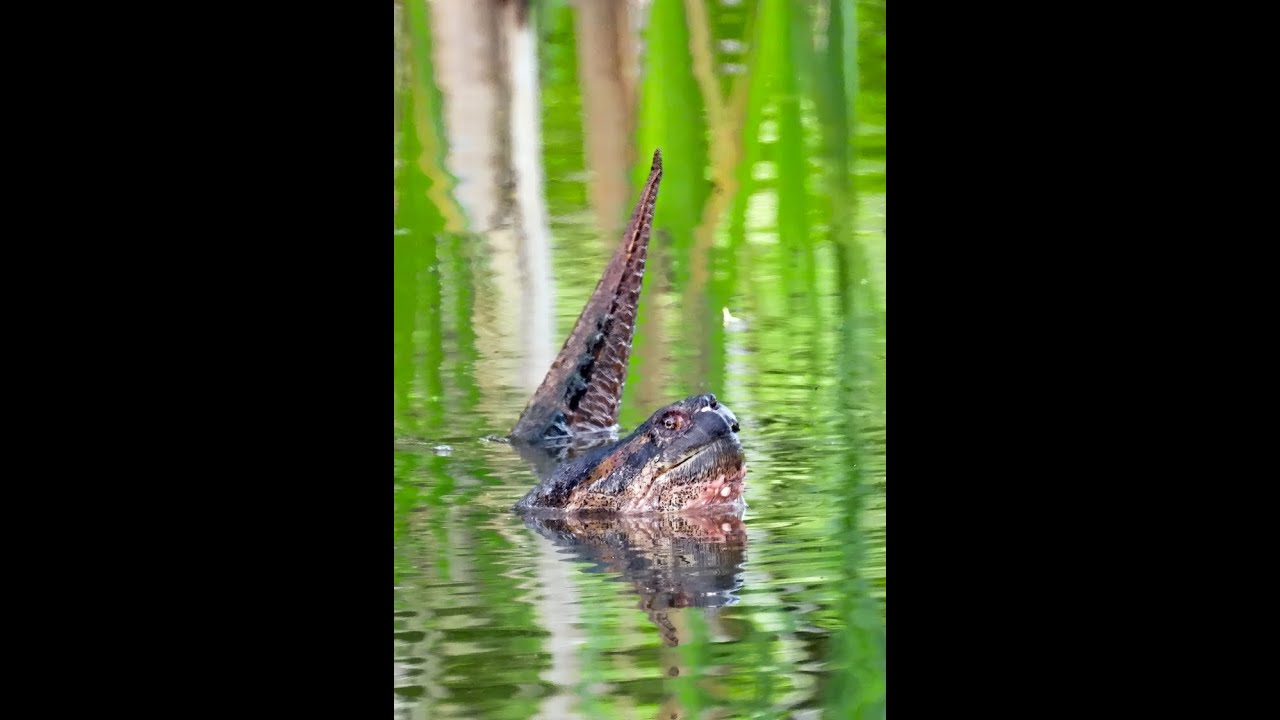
<point>583,389</point>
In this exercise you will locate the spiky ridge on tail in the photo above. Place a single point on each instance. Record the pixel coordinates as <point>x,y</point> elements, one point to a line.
<point>582,391</point>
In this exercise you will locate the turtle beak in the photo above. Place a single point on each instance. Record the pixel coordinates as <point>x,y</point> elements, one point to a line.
<point>710,419</point>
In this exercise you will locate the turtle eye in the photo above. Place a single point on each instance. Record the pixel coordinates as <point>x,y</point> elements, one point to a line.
<point>673,420</point>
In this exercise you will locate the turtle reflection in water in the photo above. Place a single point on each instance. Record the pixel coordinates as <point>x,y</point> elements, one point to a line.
<point>672,561</point>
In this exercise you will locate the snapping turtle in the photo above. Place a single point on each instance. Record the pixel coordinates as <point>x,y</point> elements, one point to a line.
<point>685,457</point>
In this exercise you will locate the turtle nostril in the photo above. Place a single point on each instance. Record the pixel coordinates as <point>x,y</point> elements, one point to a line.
<point>711,400</point>
<point>734,427</point>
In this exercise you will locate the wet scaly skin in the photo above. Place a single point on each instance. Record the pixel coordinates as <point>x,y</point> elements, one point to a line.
<point>686,457</point>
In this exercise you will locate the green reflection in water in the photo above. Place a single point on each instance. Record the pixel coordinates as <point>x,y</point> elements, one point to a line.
<point>771,120</point>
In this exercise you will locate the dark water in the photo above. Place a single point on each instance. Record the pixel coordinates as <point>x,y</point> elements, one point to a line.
<point>520,149</point>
